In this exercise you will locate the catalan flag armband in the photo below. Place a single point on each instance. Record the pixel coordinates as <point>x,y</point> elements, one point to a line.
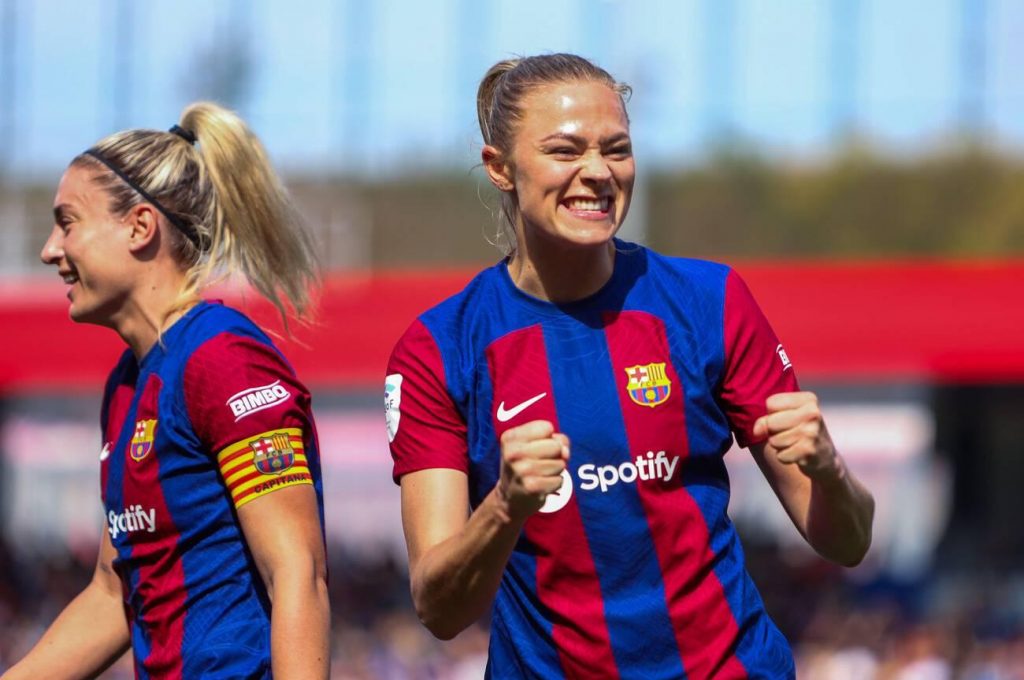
<point>256,466</point>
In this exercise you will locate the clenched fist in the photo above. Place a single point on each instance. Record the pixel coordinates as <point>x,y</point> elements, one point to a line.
<point>796,434</point>
<point>533,457</point>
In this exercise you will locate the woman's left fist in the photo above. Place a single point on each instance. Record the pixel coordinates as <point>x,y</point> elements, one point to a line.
<point>795,433</point>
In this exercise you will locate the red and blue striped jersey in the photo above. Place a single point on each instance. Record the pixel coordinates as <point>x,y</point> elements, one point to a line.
<point>212,418</point>
<point>633,569</point>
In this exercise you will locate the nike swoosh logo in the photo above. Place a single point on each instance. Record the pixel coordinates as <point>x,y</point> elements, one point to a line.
<point>105,452</point>
<point>507,415</point>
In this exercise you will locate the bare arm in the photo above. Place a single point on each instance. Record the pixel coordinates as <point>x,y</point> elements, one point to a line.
<point>283,533</point>
<point>829,506</point>
<point>89,635</point>
<point>455,562</point>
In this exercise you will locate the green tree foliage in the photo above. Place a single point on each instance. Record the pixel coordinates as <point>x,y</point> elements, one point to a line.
<point>966,202</point>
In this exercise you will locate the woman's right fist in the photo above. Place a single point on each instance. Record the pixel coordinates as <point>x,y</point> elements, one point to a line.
<point>533,457</point>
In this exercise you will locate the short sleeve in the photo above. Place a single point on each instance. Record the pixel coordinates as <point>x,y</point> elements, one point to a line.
<point>756,365</point>
<point>248,409</point>
<point>425,428</point>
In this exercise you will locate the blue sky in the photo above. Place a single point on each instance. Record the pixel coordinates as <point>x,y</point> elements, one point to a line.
<point>388,87</point>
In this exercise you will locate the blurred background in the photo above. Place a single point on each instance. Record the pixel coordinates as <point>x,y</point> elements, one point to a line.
<point>860,162</point>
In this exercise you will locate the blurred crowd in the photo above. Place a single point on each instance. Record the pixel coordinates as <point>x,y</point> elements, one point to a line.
<point>880,643</point>
<point>840,630</point>
<point>946,626</point>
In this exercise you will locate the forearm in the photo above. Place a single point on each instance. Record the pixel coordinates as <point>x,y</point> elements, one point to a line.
<point>455,581</point>
<point>831,509</point>
<point>839,517</point>
<point>89,635</point>
<point>300,622</point>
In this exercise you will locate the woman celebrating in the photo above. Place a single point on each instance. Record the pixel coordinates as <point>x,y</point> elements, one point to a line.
<point>618,560</point>
<point>211,562</point>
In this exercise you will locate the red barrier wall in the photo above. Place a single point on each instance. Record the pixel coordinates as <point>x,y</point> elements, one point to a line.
<point>881,321</point>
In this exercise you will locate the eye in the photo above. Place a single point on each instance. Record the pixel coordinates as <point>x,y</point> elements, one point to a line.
<point>563,152</point>
<point>620,152</point>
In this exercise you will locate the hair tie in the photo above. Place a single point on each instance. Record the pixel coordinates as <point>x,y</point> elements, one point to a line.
<point>187,135</point>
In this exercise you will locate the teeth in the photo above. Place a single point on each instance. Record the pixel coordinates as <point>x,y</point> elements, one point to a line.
<point>69,278</point>
<point>600,204</point>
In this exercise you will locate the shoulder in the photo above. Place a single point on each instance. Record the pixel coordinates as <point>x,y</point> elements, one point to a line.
<point>210,319</point>
<point>716,289</point>
<point>451,313</point>
<point>448,324</point>
<point>217,333</point>
<point>688,270</point>
<point>684,284</point>
<point>235,382</point>
<point>227,355</point>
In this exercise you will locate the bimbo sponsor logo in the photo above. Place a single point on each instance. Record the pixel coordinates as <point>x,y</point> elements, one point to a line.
<point>653,466</point>
<point>256,399</point>
<point>134,518</point>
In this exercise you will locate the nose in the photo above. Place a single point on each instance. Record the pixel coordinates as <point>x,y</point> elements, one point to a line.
<point>53,249</point>
<point>595,168</point>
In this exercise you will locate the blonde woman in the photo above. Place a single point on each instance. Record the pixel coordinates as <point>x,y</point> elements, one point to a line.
<point>617,560</point>
<point>211,560</point>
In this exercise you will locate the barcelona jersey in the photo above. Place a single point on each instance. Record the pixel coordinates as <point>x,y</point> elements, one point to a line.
<point>212,418</point>
<point>633,568</point>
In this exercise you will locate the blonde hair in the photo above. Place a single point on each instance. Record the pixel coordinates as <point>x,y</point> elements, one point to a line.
<point>499,106</point>
<point>232,213</point>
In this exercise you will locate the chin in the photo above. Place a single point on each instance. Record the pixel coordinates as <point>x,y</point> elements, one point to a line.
<point>568,233</point>
<point>79,315</point>
<point>592,237</point>
<point>82,314</point>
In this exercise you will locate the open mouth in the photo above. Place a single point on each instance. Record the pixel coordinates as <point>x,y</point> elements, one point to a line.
<point>589,204</point>
<point>589,208</point>
<point>69,278</point>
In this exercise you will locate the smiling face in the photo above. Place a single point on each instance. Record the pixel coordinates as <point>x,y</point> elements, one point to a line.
<point>90,248</point>
<point>571,165</point>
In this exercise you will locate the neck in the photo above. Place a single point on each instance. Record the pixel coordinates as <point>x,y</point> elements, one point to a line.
<point>561,274</point>
<point>144,329</point>
<point>149,311</point>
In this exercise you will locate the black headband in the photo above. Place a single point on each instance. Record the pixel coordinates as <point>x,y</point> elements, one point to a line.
<point>184,133</point>
<point>187,229</point>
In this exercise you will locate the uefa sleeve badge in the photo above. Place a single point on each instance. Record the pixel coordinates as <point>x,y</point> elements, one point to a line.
<point>392,401</point>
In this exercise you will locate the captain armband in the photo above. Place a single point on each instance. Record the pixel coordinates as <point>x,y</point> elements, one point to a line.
<point>256,466</point>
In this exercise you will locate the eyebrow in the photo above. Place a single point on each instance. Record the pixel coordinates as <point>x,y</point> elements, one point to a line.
<point>576,139</point>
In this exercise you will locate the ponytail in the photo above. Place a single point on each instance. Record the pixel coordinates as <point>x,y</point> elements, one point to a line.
<point>211,178</point>
<point>254,227</point>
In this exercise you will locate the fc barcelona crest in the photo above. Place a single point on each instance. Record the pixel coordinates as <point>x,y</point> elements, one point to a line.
<point>274,454</point>
<point>142,440</point>
<point>648,384</point>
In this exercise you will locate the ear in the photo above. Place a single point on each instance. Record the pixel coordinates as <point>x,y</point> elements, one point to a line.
<point>498,170</point>
<point>143,224</point>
